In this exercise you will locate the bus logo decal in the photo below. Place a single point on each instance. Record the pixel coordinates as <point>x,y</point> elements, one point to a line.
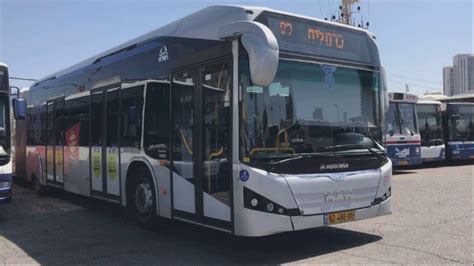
<point>163,54</point>
<point>328,75</point>
<point>244,175</point>
<point>402,153</point>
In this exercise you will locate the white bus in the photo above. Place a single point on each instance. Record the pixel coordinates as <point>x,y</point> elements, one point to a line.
<point>402,135</point>
<point>5,134</point>
<point>247,120</point>
<point>431,130</point>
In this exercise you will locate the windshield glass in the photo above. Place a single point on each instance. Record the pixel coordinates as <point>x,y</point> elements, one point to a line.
<point>461,120</point>
<point>401,119</point>
<point>309,108</point>
<point>429,117</point>
<point>1,79</point>
<point>4,136</point>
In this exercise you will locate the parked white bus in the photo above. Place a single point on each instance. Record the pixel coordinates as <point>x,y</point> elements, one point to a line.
<point>402,135</point>
<point>247,120</point>
<point>5,134</point>
<point>431,130</point>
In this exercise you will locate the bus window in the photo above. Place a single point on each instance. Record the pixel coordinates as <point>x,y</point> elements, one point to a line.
<point>58,120</point>
<point>215,80</point>
<point>96,118</point>
<point>131,116</point>
<point>157,120</point>
<point>76,123</point>
<point>111,121</point>
<point>183,124</point>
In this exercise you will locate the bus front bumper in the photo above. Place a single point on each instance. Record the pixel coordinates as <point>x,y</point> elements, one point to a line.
<point>307,222</point>
<point>5,188</point>
<point>5,195</point>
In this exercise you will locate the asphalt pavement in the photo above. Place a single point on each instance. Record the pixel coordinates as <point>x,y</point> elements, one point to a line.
<point>431,223</point>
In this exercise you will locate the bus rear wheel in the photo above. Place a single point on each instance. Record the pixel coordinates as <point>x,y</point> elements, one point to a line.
<point>37,186</point>
<point>142,199</point>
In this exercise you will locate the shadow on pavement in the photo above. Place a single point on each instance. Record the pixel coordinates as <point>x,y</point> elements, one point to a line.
<point>64,228</point>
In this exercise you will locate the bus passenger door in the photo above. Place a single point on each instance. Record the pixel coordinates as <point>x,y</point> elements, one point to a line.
<point>54,142</point>
<point>104,163</point>
<point>201,179</point>
<point>59,140</point>
<point>50,142</point>
<point>215,89</point>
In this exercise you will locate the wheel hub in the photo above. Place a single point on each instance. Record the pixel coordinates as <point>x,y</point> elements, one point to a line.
<point>144,198</point>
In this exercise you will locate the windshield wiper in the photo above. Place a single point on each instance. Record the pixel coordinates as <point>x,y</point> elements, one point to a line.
<point>303,156</point>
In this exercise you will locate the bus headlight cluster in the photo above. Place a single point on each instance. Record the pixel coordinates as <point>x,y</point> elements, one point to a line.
<point>5,184</point>
<point>254,201</point>
<point>384,197</point>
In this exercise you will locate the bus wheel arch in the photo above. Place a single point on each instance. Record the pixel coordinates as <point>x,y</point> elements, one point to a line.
<point>141,193</point>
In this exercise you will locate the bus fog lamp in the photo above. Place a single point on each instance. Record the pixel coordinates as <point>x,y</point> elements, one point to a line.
<point>280,210</point>
<point>254,202</point>
<point>270,207</point>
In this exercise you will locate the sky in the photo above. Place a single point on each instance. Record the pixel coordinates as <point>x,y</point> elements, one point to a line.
<point>416,38</point>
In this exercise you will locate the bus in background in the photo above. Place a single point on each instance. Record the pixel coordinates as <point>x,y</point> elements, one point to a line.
<point>431,130</point>
<point>402,139</point>
<point>243,119</point>
<point>459,131</point>
<point>5,134</point>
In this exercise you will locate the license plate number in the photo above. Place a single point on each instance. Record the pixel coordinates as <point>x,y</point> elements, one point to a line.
<point>339,217</point>
<point>403,162</point>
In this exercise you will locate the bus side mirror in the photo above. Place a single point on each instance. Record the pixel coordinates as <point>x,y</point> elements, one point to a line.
<point>261,46</point>
<point>19,109</point>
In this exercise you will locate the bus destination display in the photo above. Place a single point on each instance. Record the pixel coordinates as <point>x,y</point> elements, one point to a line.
<point>317,38</point>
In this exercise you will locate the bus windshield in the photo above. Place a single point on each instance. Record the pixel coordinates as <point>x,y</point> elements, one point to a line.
<point>429,118</point>
<point>4,141</point>
<point>309,108</point>
<point>3,80</point>
<point>461,123</point>
<point>401,119</point>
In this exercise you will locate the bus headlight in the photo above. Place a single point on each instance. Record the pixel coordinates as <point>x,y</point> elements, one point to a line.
<point>5,184</point>
<point>384,197</point>
<point>256,202</point>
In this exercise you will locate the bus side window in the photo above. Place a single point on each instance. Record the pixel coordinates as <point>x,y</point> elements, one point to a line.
<point>76,123</point>
<point>157,120</point>
<point>131,116</point>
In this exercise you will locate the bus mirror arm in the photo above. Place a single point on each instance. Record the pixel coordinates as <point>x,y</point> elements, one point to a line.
<point>261,46</point>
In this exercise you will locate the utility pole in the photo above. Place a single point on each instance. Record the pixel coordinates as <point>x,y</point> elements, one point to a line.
<point>346,11</point>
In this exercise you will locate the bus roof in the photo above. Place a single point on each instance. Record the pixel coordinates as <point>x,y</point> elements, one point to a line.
<point>203,24</point>
<point>468,97</point>
<point>429,102</point>
<point>402,97</point>
<point>3,65</point>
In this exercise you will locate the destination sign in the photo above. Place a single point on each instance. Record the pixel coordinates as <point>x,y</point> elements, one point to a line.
<point>321,39</point>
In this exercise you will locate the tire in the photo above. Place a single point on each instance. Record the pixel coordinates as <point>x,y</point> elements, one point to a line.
<point>38,187</point>
<point>142,198</point>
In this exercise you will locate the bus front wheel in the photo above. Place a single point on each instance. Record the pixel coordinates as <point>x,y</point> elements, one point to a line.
<point>142,198</point>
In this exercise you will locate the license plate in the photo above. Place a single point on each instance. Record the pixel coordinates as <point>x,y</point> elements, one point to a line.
<point>403,162</point>
<point>339,217</point>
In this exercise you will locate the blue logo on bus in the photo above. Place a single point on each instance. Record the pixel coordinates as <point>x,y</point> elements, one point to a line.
<point>244,175</point>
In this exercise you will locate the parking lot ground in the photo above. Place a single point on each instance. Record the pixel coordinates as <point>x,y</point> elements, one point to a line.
<point>431,223</point>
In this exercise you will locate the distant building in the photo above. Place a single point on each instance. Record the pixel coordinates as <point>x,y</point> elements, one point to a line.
<point>459,79</point>
<point>318,113</point>
<point>448,81</point>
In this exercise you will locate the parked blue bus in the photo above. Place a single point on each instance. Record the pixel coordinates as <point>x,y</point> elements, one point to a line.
<point>459,131</point>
